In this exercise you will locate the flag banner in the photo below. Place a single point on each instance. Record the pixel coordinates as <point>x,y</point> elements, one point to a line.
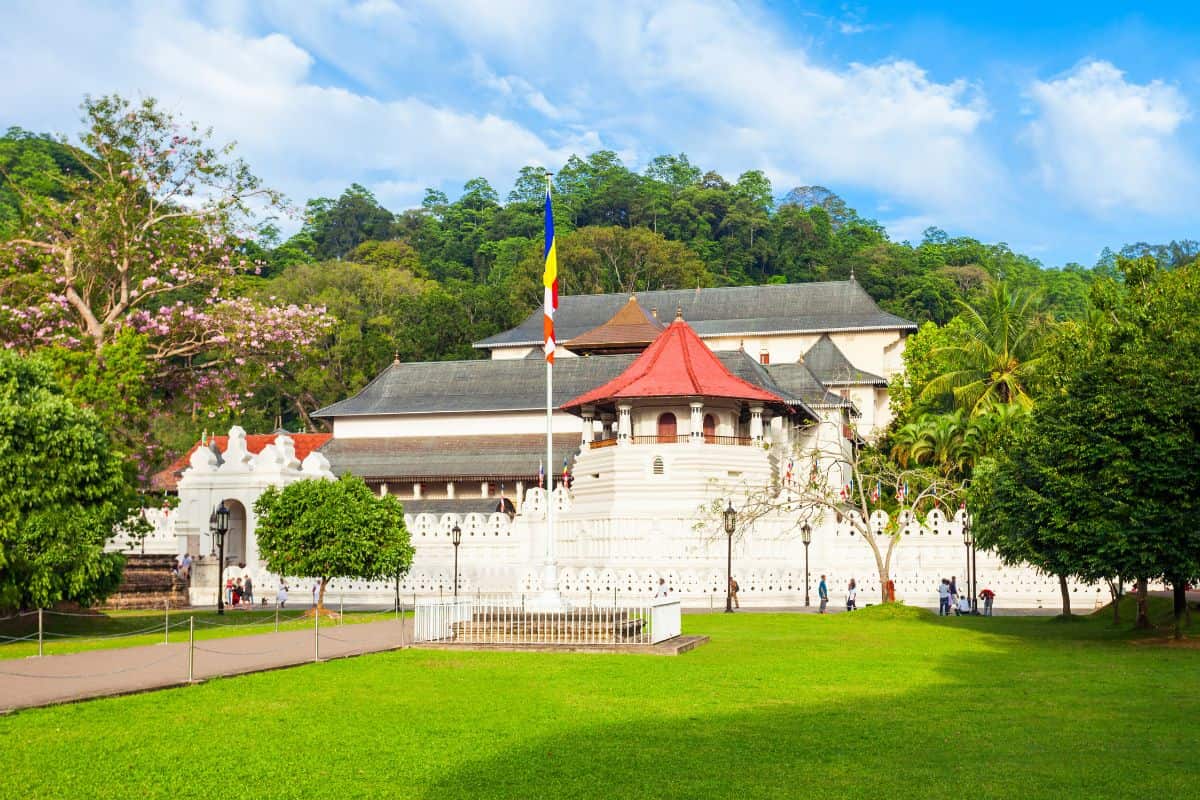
<point>541,474</point>
<point>549,282</point>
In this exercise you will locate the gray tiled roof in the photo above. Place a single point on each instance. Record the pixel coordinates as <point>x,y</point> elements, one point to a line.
<point>729,310</point>
<point>832,368</point>
<point>457,505</point>
<point>520,385</point>
<point>799,381</point>
<point>512,456</point>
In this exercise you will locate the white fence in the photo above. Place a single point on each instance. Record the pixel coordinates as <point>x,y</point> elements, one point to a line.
<point>508,619</point>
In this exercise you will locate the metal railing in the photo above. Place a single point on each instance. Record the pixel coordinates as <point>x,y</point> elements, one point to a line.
<point>512,620</point>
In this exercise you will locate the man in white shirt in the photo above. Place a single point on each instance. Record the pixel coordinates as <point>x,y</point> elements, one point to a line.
<point>964,605</point>
<point>944,598</point>
<point>663,591</point>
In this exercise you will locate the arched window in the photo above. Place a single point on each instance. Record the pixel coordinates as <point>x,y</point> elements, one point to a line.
<point>658,465</point>
<point>666,428</point>
<point>710,428</point>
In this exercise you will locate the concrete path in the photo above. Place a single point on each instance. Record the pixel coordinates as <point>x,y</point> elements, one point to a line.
<point>29,682</point>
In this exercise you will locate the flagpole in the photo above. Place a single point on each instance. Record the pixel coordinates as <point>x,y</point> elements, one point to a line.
<point>549,567</point>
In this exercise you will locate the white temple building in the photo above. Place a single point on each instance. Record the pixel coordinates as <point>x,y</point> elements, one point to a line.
<point>653,421</point>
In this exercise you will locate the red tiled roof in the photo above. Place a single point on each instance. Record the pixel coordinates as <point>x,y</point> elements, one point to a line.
<point>676,364</point>
<point>167,480</point>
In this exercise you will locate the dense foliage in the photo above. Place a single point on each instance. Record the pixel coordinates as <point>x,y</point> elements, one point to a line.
<point>1104,480</point>
<point>332,529</point>
<point>65,492</point>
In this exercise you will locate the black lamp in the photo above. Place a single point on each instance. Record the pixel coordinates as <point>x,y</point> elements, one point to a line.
<point>806,537</point>
<point>218,525</point>
<point>730,527</point>
<point>456,540</point>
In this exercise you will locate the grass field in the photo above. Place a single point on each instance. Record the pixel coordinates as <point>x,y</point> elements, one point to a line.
<point>884,703</point>
<point>73,633</point>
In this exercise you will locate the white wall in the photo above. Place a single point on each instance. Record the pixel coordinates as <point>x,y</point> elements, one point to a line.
<point>478,423</point>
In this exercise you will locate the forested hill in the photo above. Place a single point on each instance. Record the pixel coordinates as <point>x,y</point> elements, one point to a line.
<point>370,283</point>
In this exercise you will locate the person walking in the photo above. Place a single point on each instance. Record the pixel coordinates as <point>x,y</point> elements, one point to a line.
<point>988,596</point>
<point>281,595</point>
<point>229,591</point>
<point>852,596</point>
<point>733,591</point>
<point>823,593</point>
<point>953,590</point>
<point>944,598</point>
<point>237,592</point>
<point>662,592</point>
<point>248,592</point>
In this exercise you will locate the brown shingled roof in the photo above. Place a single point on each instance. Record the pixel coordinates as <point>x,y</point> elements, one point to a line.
<point>630,330</point>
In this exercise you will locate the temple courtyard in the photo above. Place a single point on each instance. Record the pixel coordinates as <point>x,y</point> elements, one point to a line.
<point>885,702</point>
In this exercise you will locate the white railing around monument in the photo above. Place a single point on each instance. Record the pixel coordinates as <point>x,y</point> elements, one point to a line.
<point>514,620</point>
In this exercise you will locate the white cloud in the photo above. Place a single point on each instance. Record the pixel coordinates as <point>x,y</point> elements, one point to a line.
<point>1107,144</point>
<point>302,137</point>
<point>716,80</point>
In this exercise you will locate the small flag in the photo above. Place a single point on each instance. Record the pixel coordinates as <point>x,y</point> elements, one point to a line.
<point>566,473</point>
<point>549,280</point>
<point>875,492</point>
<point>541,474</point>
<point>788,477</point>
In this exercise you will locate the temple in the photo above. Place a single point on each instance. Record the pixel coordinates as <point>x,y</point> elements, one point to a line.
<point>665,402</point>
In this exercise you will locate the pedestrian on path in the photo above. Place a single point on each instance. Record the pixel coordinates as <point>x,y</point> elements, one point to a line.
<point>733,590</point>
<point>852,596</point>
<point>229,591</point>
<point>944,598</point>
<point>953,590</point>
<point>988,596</point>
<point>248,592</point>
<point>281,595</point>
<point>663,592</point>
<point>823,593</point>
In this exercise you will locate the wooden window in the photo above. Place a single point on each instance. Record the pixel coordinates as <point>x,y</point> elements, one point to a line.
<point>666,428</point>
<point>710,427</point>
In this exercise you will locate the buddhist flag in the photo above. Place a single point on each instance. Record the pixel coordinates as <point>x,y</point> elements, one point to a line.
<point>549,281</point>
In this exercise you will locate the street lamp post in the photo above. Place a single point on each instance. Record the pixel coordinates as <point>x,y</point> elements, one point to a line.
<point>218,524</point>
<point>730,527</point>
<point>456,540</point>
<point>969,543</point>
<point>806,534</point>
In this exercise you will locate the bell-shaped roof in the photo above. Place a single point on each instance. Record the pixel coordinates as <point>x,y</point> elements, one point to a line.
<point>676,364</point>
<point>630,330</point>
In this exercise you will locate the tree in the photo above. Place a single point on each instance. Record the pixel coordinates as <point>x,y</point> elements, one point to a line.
<point>338,226</point>
<point>1105,479</point>
<point>997,360</point>
<point>851,483</point>
<point>332,529</point>
<point>66,491</point>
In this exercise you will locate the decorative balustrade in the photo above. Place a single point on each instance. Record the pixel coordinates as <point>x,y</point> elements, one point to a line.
<point>511,619</point>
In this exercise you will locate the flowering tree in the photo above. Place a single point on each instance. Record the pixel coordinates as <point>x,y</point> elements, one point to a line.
<point>150,237</point>
<point>851,483</point>
<point>145,230</point>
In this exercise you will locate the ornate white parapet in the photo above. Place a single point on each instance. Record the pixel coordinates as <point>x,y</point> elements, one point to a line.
<point>624,424</point>
<point>697,434</point>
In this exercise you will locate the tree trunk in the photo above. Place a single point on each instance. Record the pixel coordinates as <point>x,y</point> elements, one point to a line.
<point>321,596</point>
<point>1115,592</point>
<point>1066,595</point>
<point>1143,614</point>
<point>1179,590</point>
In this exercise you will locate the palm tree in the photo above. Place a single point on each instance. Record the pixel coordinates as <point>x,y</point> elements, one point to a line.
<point>939,442</point>
<point>999,359</point>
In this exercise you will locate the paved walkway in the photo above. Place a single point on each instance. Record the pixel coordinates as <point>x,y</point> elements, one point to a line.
<point>29,682</point>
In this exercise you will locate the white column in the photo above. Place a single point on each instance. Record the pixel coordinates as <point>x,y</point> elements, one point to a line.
<point>417,490</point>
<point>589,415</point>
<point>606,424</point>
<point>383,490</point>
<point>520,495</point>
<point>450,489</point>
<point>483,489</point>
<point>624,424</point>
<point>756,424</point>
<point>697,436</point>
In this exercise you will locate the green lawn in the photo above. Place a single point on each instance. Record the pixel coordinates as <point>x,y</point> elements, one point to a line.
<point>882,703</point>
<point>72,633</point>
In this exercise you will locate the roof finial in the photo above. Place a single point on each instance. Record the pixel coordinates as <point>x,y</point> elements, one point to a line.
<point>396,360</point>
<point>678,312</point>
<point>654,312</point>
<point>852,274</point>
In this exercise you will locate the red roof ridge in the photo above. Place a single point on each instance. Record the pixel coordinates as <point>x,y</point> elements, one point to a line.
<point>676,364</point>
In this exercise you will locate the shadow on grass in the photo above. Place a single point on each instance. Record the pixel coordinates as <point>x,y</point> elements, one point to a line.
<point>1027,720</point>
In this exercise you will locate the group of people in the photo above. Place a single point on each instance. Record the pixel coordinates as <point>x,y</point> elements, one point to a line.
<point>239,591</point>
<point>950,600</point>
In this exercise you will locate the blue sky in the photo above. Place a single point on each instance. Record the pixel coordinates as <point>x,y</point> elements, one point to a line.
<point>1059,128</point>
